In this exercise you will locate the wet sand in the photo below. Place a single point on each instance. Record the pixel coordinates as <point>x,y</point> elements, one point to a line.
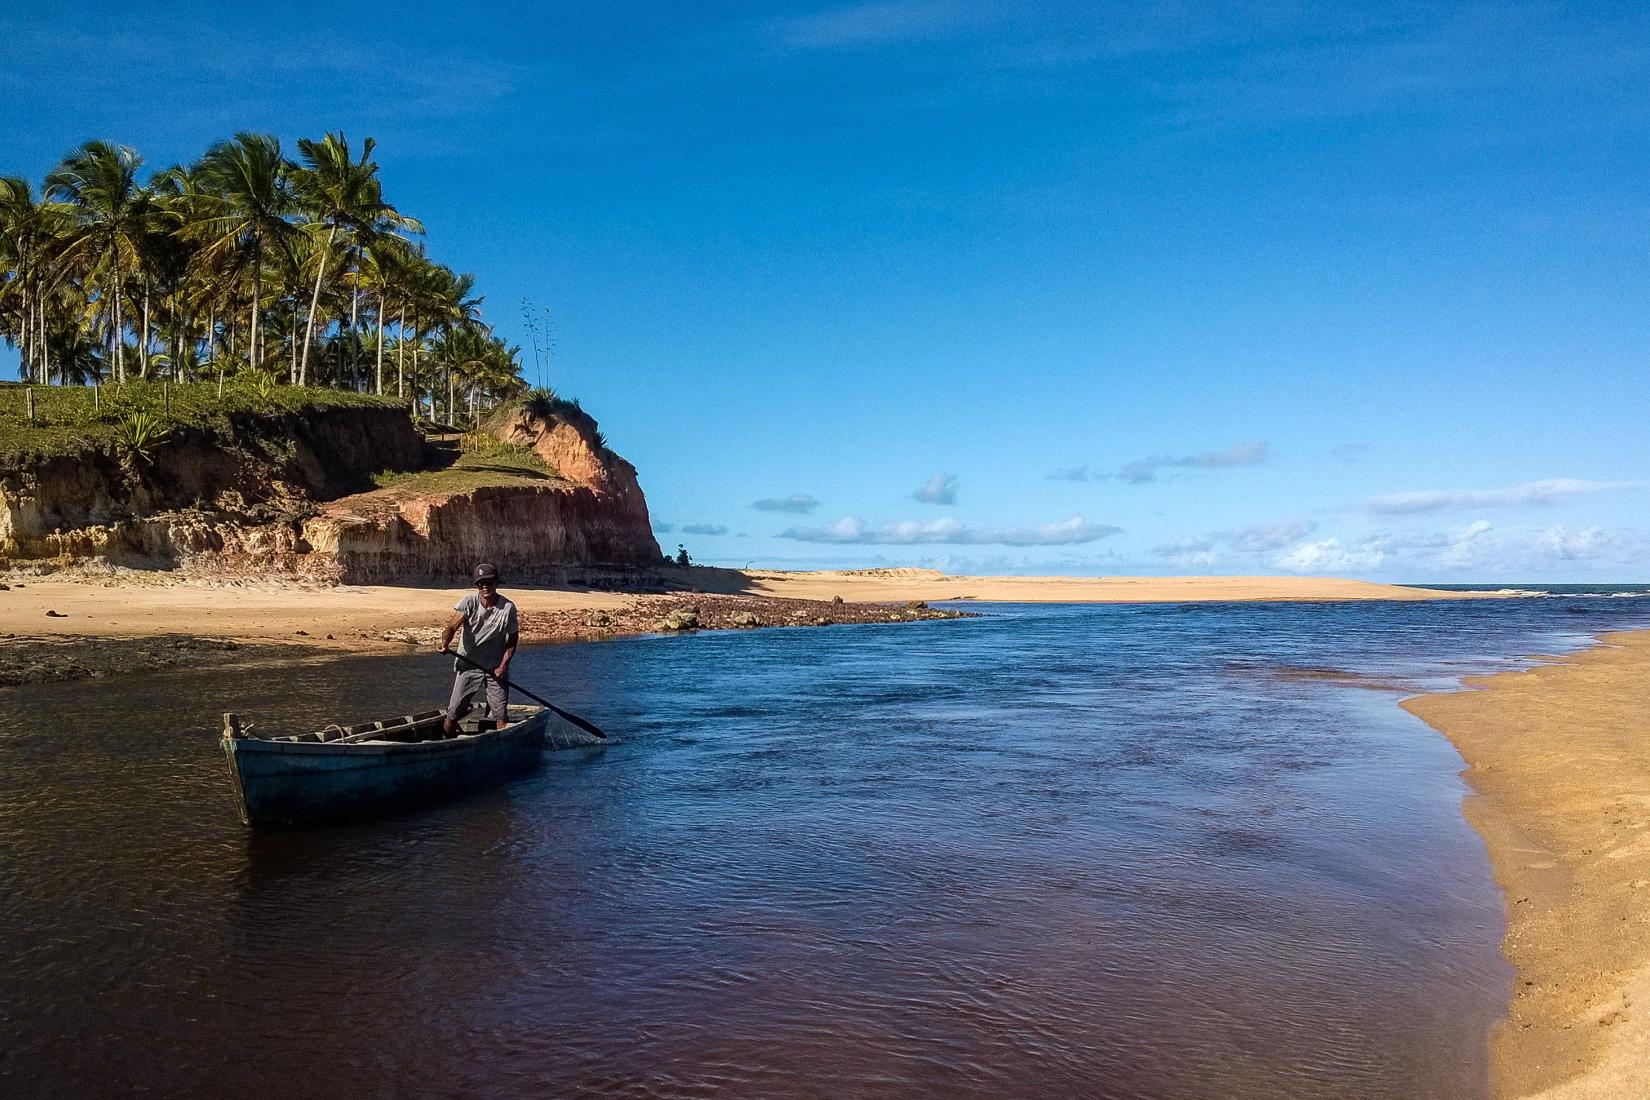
<point>132,604</point>
<point>54,629</point>
<point>1559,760</point>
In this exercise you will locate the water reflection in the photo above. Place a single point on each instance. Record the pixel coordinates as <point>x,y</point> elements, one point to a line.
<point>1056,851</point>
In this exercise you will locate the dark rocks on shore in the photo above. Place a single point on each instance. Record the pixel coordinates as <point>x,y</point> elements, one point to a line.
<point>683,618</point>
<point>706,611</point>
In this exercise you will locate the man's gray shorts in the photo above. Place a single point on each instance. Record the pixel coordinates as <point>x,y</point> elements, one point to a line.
<point>467,685</point>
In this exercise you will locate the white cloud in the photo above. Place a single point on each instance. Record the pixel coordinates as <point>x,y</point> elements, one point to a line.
<point>1187,552</point>
<point>1240,542</point>
<point>852,529</point>
<point>797,504</point>
<point>1550,491</point>
<point>1265,537</point>
<point>1573,544</point>
<point>1463,546</point>
<point>1070,473</point>
<point>1143,470</point>
<point>1331,555</point>
<point>939,489</point>
<point>704,529</point>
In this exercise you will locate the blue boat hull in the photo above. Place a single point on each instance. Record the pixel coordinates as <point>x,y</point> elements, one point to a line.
<point>292,783</point>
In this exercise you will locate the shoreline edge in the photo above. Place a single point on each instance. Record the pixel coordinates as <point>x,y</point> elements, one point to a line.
<point>1558,762</point>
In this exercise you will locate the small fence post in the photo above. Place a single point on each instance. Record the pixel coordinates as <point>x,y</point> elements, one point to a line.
<point>97,397</point>
<point>166,398</point>
<point>28,395</point>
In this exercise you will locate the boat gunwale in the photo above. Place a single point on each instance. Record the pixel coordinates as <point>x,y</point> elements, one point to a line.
<point>463,741</point>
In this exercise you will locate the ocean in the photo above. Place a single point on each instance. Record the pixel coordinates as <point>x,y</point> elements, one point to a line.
<point>1174,850</point>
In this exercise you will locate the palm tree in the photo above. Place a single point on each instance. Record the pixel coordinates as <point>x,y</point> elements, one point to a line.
<point>240,257</point>
<point>188,286</point>
<point>384,265</point>
<point>112,217</point>
<point>25,234</point>
<point>455,310</point>
<point>345,196</point>
<point>249,229</point>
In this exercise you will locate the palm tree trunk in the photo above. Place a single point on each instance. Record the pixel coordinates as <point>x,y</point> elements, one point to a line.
<point>25,335</point>
<point>143,347</point>
<point>117,345</point>
<point>27,367</point>
<point>354,330</point>
<point>416,342</point>
<point>378,386</point>
<point>314,300</point>
<point>401,354</point>
<point>45,348</point>
<point>257,297</point>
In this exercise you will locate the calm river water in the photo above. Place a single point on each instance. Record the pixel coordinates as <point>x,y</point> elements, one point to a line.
<point>1121,851</point>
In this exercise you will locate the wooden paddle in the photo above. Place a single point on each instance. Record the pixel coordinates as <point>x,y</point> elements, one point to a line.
<point>553,708</point>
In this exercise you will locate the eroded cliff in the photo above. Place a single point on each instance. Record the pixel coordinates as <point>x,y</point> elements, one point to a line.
<point>582,517</point>
<point>293,494</point>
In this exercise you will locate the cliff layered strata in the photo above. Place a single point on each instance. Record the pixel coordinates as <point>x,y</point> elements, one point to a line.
<point>283,497</point>
<point>96,503</point>
<point>551,533</point>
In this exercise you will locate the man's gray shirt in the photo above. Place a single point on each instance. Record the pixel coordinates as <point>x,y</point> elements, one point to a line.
<point>485,630</point>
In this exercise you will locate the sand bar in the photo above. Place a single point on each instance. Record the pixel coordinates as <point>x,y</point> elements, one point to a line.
<point>146,605</point>
<point>1559,760</point>
<point>929,584</point>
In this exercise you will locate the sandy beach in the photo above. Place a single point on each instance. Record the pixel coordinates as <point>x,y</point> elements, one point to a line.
<point>1559,760</point>
<point>930,584</point>
<point>148,605</point>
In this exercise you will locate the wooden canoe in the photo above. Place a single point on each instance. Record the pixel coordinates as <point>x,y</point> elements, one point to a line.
<point>376,767</point>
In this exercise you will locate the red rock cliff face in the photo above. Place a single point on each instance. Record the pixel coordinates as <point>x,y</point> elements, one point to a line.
<point>592,524</point>
<point>213,510</point>
<point>533,533</point>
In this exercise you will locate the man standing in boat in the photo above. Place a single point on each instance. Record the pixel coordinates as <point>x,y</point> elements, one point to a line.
<point>485,623</point>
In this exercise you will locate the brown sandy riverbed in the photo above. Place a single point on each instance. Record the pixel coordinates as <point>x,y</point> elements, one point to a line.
<point>131,604</point>
<point>68,626</point>
<point>54,628</point>
<point>1559,760</point>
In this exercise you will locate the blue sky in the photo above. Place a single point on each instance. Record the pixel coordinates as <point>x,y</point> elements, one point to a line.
<point>1172,288</point>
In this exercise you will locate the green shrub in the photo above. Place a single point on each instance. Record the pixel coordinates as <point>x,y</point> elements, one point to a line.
<point>142,433</point>
<point>260,382</point>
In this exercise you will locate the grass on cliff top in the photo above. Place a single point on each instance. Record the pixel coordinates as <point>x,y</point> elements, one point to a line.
<point>68,419</point>
<point>475,461</point>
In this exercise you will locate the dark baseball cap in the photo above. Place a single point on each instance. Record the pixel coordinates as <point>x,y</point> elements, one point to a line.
<point>485,572</point>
